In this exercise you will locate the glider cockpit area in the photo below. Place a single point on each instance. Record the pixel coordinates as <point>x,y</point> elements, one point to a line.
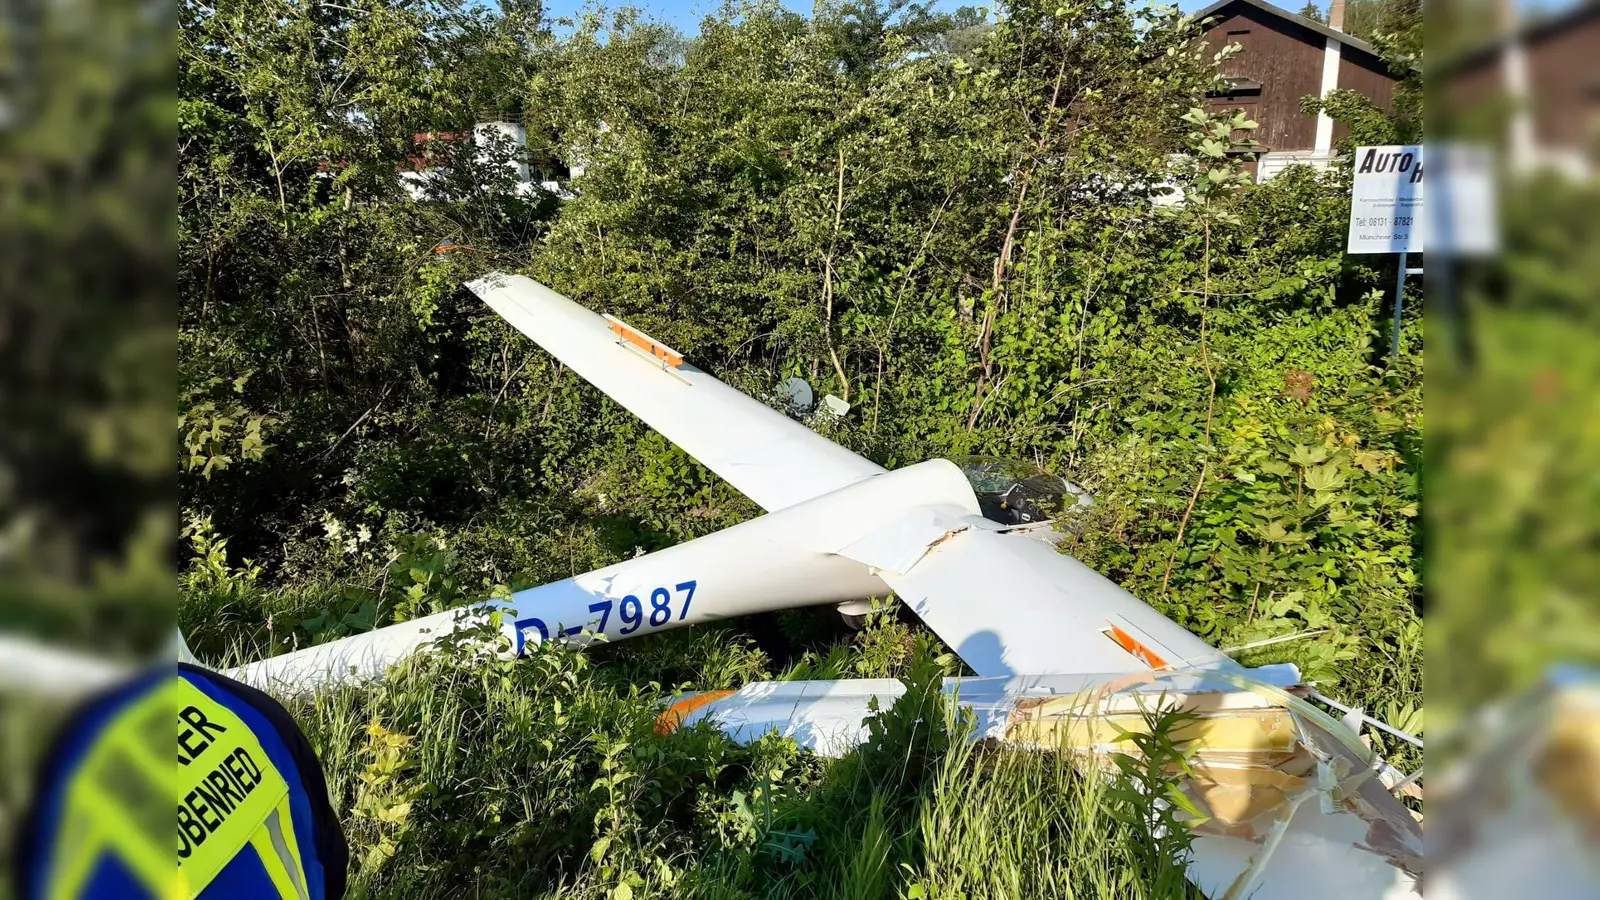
<point>1063,657</point>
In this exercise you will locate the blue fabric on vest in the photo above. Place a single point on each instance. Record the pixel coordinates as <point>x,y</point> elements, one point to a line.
<point>244,878</point>
<point>73,745</point>
<point>111,878</point>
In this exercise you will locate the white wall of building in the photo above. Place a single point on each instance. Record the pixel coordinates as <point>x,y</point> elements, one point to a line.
<point>487,134</point>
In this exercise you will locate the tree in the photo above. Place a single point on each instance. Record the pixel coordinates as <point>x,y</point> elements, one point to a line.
<point>947,220</point>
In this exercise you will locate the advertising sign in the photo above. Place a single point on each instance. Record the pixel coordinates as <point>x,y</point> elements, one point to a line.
<point>1386,200</point>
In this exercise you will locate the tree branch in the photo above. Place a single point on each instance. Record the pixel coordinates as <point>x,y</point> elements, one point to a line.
<point>888,328</point>
<point>1002,263</point>
<point>827,282</point>
<point>1183,525</point>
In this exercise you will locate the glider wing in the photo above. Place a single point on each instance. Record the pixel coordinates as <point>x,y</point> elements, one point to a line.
<point>1009,604</point>
<point>767,456</point>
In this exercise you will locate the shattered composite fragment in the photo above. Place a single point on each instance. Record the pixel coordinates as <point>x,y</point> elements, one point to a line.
<point>1295,804</point>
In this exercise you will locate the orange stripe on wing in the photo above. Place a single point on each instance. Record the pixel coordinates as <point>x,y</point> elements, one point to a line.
<point>668,721</point>
<point>1140,652</point>
<point>661,352</point>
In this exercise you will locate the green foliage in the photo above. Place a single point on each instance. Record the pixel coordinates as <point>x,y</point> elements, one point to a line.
<point>1512,459</point>
<point>944,220</point>
<point>1149,798</point>
<point>885,645</point>
<point>384,797</point>
<point>211,429</point>
<point>907,740</point>
<point>87,530</point>
<point>208,571</point>
<point>545,777</point>
<point>1307,524</point>
<point>1215,176</point>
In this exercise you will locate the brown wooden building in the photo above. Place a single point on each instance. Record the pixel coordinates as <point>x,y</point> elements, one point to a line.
<point>1538,88</point>
<point>1286,57</point>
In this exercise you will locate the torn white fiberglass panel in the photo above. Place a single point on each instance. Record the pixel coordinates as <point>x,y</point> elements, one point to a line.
<point>1295,804</point>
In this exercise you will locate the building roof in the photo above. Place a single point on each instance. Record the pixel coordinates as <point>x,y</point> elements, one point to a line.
<point>1302,21</point>
<point>1529,31</point>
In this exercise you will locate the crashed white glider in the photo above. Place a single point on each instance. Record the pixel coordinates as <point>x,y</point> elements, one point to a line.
<point>839,528</point>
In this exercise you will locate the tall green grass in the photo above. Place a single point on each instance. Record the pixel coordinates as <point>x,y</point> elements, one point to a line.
<point>544,777</point>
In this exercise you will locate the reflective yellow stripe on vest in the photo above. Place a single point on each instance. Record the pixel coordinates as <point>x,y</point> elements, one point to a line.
<point>119,801</point>
<point>229,796</point>
<point>275,844</point>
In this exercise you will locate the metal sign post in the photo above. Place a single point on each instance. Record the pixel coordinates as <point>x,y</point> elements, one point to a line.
<point>1386,213</point>
<point>1399,302</point>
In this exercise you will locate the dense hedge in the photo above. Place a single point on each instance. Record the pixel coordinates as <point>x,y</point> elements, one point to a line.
<point>946,221</point>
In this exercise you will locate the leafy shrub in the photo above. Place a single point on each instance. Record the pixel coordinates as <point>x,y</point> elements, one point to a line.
<point>943,220</point>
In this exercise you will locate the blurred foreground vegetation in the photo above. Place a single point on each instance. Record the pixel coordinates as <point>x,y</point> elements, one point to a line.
<point>1513,455</point>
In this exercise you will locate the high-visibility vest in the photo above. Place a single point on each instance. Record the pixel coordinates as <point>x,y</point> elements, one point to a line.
<point>252,806</point>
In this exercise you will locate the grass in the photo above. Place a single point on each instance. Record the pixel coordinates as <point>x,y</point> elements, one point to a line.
<point>544,777</point>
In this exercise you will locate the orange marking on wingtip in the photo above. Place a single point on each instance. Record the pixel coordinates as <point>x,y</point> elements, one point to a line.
<point>1139,651</point>
<point>665,355</point>
<point>668,721</point>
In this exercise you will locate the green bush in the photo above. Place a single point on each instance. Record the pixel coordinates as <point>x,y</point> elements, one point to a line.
<point>945,221</point>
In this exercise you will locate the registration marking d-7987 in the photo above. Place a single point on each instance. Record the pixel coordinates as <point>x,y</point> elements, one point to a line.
<point>659,610</point>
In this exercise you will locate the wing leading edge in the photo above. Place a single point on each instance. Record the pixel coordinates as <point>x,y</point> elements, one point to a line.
<point>770,458</point>
<point>1010,604</point>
